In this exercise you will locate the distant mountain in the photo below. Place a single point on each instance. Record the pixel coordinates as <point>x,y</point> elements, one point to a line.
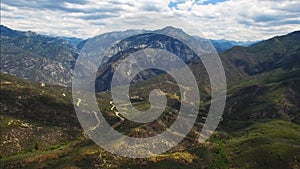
<point>223,45</point>
<point>73,41</point>
<point>37,57</point>
<point>220,45</point>
<point>114,35</point>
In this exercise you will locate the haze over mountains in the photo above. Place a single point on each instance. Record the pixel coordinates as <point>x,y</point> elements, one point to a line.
<point>260,127</point>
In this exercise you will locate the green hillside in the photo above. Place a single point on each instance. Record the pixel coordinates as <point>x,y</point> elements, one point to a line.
<point>270,144</point>
<point>278,52</point>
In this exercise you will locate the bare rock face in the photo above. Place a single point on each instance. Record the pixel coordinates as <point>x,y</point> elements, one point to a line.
<point>151,39</point>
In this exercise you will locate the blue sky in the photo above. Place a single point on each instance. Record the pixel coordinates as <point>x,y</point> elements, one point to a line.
<point>215,19</point>
<point>210,2</point>
<point>205,2</point>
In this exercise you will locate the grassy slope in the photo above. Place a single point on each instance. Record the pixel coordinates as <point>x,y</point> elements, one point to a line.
<point>271,144</point>
<point>30,101</point>
<point>34,118</point>
<point>272,95</point>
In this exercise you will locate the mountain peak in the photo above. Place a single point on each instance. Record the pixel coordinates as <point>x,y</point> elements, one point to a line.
<point>171,28</point>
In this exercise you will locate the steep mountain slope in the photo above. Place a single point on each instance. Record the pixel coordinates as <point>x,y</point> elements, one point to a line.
<point>138,42</point>
<point>274,95</point>
<point>37,57</point>
<point>270,88</point>
<point>278,52</point>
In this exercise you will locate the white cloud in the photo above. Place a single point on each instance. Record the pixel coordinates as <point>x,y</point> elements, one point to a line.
<point>187,5</point>
<point>245,20</point>
<point>234,19</point>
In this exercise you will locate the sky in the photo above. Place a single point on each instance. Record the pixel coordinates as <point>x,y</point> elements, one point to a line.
<point>242,20</point>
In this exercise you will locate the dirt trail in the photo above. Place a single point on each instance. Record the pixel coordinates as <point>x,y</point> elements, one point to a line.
<point>116,112</point>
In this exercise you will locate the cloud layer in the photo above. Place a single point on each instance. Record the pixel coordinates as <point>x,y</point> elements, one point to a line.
<point>216,19</point>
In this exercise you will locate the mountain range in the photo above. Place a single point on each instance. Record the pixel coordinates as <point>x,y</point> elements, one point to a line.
<point>50,60</point>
